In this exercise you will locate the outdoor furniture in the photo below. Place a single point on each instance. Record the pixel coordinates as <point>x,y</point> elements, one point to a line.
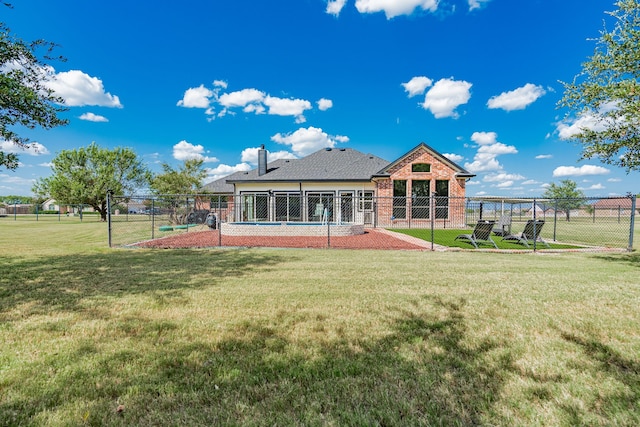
<point>530,234</point>
<point>481,234</point>
<point>503,226</point>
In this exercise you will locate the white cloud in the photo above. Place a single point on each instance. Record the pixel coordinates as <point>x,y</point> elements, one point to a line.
<point>505,184</point>
<point>476,4</point>
<point>417,85</point>
<point>241,98</point>
<point>587,120</point>
<point>517,99</point>
<point>500,177</point>
<point>305,141</point>
<point>531,182</point>
<point>489,148</point>
<point>79,89</point>
<point>184,150</point>
<point>614,180</point>
<point>32,149</point>
<point>90,117</point>
<point>196,97</point>
<point>445,96</point>
<point>220,83</point>
<point>544,156</point>
<point>221,171</point>
<point>581,171</point>
<point>392,8</point>
<point>595,187</point>
<point>250,155</point>
<point>455,158</point>
<point>324,104</point>
<point>334,7</point>
<point>287,107</point>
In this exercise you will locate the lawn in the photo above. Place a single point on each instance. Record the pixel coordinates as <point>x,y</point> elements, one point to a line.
<point>98,336</point>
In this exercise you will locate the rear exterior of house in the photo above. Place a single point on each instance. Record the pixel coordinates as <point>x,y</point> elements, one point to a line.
<point>346,186</point>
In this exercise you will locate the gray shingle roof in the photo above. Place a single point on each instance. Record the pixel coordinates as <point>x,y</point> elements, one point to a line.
<point>336,164</point>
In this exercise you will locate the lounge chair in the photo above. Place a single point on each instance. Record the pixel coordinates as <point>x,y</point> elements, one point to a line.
<point>530,234</point>
<point>503,226</point>
<point>481,234</point>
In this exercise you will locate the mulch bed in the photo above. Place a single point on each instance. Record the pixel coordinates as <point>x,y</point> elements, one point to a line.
<point>371,239</point>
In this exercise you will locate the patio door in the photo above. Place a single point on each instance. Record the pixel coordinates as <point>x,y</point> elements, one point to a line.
<point>346,206</point>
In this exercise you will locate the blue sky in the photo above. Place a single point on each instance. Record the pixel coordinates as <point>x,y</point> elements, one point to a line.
<point>478,80</point>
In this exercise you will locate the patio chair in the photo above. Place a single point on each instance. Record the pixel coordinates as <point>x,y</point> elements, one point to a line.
<point>530,234</point>
<point>503,226</point>
<point>481,234</point>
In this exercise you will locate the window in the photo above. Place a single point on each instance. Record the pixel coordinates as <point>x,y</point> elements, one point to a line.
<point>365,201</point>
<point>420,198</point>
<point>255,207</point>
<point>400,199</point>
<point>288,206</point>
<point>317,204</point>
<point>421,167</point>
<point>442,199</point>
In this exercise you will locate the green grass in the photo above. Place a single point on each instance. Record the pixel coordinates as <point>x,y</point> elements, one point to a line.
<point>448,238</point>
<point>311,337</point>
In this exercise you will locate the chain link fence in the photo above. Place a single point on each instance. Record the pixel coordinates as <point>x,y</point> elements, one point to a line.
<point>47,212</point>
<point>354,221</point>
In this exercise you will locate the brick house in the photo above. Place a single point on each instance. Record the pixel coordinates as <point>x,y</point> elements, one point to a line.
<point>347,185</point>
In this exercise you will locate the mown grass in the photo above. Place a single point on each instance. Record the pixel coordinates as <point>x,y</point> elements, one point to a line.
<point>93,336</point>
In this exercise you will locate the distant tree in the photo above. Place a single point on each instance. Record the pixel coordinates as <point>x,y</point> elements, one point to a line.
<point>84,175</point>
<point>567,196</point>
<point>25,99</point>
<point>183,181</point>
<point>606,95</point>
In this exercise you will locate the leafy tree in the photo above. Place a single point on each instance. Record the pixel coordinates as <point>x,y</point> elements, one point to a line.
<point>606,94</point>
<point>84,175</point>
<point>183,181</point>
<point>25,99</point>
<point>566,194</point>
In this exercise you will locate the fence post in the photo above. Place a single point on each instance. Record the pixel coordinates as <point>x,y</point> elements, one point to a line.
<point>632,227</point>
<point>432,214</point>
<point>555,221</point>
<point>535,217</point>
<point>153,217</point>
<point>109,215</point>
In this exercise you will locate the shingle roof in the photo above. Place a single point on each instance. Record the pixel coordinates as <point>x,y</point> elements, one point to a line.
<point>335,164</point>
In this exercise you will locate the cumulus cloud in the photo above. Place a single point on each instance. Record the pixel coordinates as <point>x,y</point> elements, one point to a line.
<point>417,85</point>
<point>595,187</point>
<point>196,97</point>
<point>334,7</point>
<point>587,120</point>
<point>184,150</point>
<point>31,149</point>
<point>445,96</point>
<point>584,170</point>
<point>305,141</point>
<point>501,177</point>
<point>324,104</point>
<point>517,99</point>
<point>455,158</point>
<point>393,8</point>
<point>250,155</point>
<point>79,89</point>
<point>477,4</point>
<point>90,117</point>
<point>221,171</point>
<point>489,148</point>
<point>544,156</point>
<point>249,100</point>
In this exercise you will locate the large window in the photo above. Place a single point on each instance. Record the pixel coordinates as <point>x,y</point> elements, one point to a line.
<point>255,207</point>
<point>318,203</point>
<point>420,198</point>
<point>346,206</point>
<point>442,199</point>
<point>288,206</point>
<point>400,199</point>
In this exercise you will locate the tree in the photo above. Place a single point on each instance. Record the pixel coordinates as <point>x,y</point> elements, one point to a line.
<point>84,175</point>
<point>606,94</point>
<point>567,196</point>
<point>186,180</point>
<point>25,98</point>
